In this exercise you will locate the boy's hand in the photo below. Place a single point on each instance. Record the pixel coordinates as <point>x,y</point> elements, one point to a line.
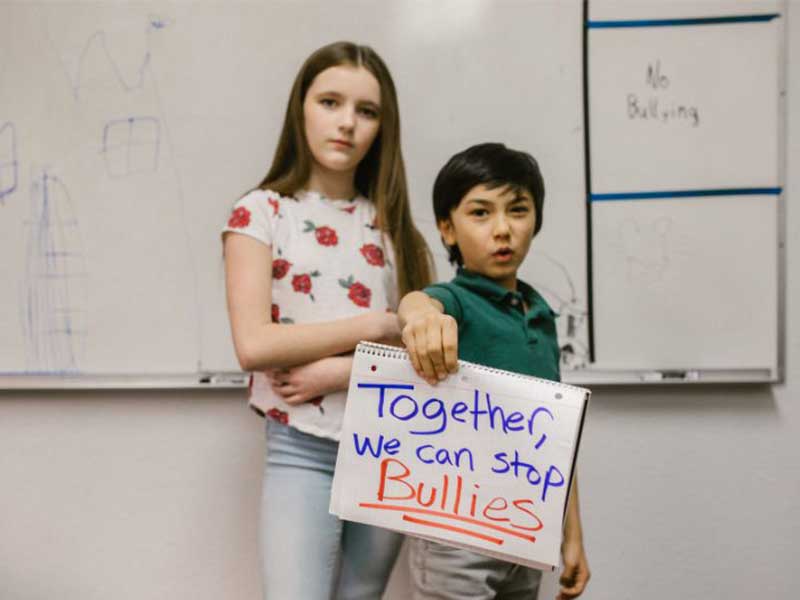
<point>575,574</point>
<point>431,339</point>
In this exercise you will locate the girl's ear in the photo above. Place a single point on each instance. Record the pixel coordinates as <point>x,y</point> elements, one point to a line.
<point>447,231</point>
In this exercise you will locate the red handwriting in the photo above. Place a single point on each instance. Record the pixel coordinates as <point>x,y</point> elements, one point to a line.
<point>398,491</point>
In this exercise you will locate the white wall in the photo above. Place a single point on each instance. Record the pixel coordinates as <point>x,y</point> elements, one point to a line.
<point>687,492</point>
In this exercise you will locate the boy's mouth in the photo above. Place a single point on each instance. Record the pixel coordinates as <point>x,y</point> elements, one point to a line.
<point>503,254</point>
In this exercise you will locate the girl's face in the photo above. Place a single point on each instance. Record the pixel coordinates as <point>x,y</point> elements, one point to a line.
<point>342,111</point>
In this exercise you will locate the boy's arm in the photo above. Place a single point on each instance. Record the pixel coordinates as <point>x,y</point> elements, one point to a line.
<point>575,574</point>
<point>430,336</point>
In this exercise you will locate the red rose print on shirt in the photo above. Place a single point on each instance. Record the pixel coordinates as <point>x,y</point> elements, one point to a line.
<point>317,401</point>
<point>349,209</point>
<point>302,283</point>
<point>276,315</point>
<point>280,268</point>
<point>373,254</point>
<point>359,294</point>
<point>278,415</point>
<point>275,206</point>
<point>325,235</point>
<point>239,218</point>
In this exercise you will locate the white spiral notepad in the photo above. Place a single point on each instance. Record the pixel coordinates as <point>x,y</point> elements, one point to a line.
<point>482,460</point>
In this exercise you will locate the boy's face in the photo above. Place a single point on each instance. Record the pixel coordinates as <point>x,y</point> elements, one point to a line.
<point>493,229</point>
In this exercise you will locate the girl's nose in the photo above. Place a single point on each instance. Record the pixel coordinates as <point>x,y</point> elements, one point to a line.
<point>347,119</point>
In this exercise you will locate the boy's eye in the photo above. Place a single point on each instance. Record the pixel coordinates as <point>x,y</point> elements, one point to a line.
<point>521,209</point>
<point>479,212</point>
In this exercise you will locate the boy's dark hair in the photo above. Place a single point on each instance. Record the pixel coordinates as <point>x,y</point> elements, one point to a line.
<point>493,165</point>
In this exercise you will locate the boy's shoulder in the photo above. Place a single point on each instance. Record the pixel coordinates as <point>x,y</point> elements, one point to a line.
<point>468,288</point>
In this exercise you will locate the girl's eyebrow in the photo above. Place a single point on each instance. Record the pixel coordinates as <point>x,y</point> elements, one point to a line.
<point>371,103</point>
<point>336,94</point>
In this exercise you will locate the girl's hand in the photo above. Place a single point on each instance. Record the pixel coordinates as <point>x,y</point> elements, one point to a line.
<point>387,328</point>
<point>312,380</point>
<point>575,574</point>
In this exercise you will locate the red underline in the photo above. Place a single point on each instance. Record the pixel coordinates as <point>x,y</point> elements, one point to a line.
<point>436,513</point>
<point>481,536</point>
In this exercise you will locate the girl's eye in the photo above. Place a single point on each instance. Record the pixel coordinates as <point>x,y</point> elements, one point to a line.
<point>370,113</point>
<point>329,102</point>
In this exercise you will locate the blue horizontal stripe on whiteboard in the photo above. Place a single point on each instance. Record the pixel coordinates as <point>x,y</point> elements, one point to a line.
<point>679,22</point>
<point>767,191</point>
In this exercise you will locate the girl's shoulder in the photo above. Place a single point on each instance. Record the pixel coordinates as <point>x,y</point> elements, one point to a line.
<point>254,214</point>
<point>267,196</point>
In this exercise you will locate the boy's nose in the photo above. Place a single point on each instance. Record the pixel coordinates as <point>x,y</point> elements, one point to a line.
<point>501,226</point>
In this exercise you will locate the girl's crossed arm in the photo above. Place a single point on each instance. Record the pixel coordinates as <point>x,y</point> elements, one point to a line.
<point>261,344</point>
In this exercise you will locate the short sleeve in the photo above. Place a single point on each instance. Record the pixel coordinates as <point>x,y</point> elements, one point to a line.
<point>443,293</point>
<point>252,216</point>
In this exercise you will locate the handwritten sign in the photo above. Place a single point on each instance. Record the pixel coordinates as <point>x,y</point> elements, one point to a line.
<point>482,460</point>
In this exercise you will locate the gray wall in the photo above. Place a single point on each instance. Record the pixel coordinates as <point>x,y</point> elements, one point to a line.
<point>687,492</point>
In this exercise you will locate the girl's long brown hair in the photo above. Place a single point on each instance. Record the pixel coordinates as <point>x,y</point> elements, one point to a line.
<point>380,175</point>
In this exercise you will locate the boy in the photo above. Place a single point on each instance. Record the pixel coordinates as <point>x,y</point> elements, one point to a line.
<point>488,203</point>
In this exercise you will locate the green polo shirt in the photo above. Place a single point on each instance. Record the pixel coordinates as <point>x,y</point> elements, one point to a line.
<point>495,330</point>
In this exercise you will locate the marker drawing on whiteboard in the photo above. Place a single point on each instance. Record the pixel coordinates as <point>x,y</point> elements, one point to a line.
<point>658,106</point>
<point>558,288</point>
<point>131,146</point>
<point>54,305</point>
<point>9,167</point>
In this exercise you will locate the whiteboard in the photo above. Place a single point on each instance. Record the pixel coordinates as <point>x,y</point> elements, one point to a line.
<point>685,103</point>
<point>127,130</point>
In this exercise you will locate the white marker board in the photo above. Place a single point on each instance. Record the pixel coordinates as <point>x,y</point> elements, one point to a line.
<point>127,131</point>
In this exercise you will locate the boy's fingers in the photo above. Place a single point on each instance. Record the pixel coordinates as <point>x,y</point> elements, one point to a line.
<point>420,342</point>
<point>450,344</point>
<point>435,349</point>
<point>436,356</point>
<point>408,340</point>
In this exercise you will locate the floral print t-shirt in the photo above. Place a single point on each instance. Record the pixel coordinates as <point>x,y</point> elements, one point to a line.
<point>329,261</point>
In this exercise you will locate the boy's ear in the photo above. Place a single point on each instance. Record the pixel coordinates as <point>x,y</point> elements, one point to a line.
<point>447,231</point>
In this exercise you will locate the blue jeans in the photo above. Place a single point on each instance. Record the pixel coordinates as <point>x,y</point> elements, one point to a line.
<point>441,572</point>
<point>306,552</point>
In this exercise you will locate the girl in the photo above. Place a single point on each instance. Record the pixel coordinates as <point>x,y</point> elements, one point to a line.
<point>316,258</point>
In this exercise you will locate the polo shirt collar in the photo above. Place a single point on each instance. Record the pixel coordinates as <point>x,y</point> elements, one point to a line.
<point>495,292</point>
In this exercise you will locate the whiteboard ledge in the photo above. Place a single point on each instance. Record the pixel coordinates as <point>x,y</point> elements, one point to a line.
<point>593,376</point>
<point>60,381</point>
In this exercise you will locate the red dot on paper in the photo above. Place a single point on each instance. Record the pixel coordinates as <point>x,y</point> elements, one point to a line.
<point>374,368</point>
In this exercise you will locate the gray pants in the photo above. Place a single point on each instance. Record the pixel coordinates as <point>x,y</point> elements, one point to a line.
<point>445,573</point>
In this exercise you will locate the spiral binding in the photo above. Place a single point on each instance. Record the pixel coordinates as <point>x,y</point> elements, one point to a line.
<point>384,351</point>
